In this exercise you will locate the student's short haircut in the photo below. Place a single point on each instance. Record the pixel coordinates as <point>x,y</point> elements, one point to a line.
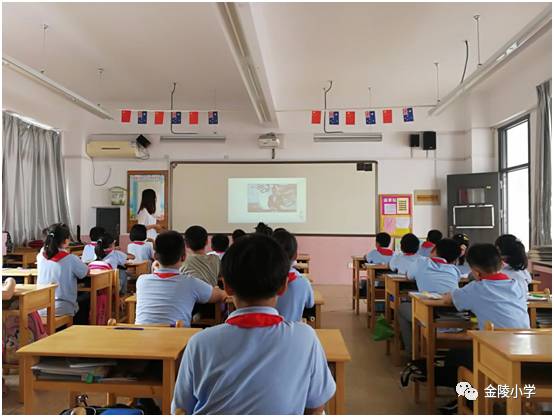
<point>383,239</point>
<point>287,241</point>
<point>255,267</point>
<point>434,236</point>
<point>169,247</point>
<point>485,257</point>
<point>448,249</point>
<point>137,233</point>
<point>220,243</point>
<point>263,229</point>
<point>96,232</point>
<point>196,237</point>
<point>237,234</point>
<point>409,243</point>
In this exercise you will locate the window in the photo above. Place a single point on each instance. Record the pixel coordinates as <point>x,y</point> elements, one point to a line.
<point>514,174</point>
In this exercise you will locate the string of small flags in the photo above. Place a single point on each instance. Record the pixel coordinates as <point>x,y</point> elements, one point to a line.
<point>370,116</point>
<point>191,117</point>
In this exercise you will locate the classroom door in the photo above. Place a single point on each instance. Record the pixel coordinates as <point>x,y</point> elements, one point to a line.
<point>474,206</point>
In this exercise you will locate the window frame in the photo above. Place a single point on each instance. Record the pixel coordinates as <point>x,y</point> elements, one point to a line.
<point>503,170</point>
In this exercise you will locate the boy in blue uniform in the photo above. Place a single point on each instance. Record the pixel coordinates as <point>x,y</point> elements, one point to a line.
<point>435,274</point>
<point>433,237</point>
<point>256,362</point>
<point>299,294</point>
<point>167,295</point>
<point>88,251</point>
<point>139,247</point>
<point>381,254</point>
<point>401,262</point>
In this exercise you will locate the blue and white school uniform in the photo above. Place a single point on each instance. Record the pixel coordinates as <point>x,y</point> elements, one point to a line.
<point>464,269</point>
<point>254,363</point>
<point>434,275</point>
<point>379,256</point>
<point>167,295</point>
<point>522,276</point>
<point>63,269</point>
<point>143,251</point>
<point>401,262</point>
<point>298,296</point>
<point>496,298</point>
<point>88,253</point>
<point>425,249</point>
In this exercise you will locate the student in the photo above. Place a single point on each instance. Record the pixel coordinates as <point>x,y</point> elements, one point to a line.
<point>299,294</point>
<point>400,262</point>
<point>256,362</point>
<point>107,257</point>
<point>88,251</point>
<point>514,259</point>
<point>381,254</point>
<point>56,266</point>
<point>146,213</point>
<point>139,247</point>
<point>220,244</point>
<point>167,295</point>
<point>199,264</point>
<point>462,265</point>
<point>263,228</point>
<point>237,233</point>
<point>433,236</point>
<point>435,274</point>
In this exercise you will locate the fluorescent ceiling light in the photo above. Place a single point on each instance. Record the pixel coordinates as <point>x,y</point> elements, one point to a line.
<point>35,75</point>
<point>348,137</point>
<point>525,37</point>
<point>189,137</point>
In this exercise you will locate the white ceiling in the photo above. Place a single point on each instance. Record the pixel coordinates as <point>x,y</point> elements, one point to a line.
<point>144,46</point>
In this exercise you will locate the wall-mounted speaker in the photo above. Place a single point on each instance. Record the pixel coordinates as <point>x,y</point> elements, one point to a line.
<point>414,140</point>
<point>429,140</point>
<point>142,141</point>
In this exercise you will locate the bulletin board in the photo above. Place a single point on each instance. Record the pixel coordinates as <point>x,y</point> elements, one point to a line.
<point>395,214</point>
<point>137,181</point>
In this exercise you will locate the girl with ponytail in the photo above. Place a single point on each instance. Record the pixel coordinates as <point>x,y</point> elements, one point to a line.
<point>56,266</point>
<point>514,258</point>
<point>108,258</point>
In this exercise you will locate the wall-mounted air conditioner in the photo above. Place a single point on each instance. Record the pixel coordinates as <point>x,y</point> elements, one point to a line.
<point>112,149</point>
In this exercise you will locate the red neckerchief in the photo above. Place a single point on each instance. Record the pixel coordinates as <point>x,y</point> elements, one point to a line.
<point>92,266</point>
<point>427,244</point>
<point>439,260</point>
<point>220,253</point>
<point>499,276</point>
<point>166,274</point>
<point>384,251</point>
<point>106,251</point>
<point>138,243</point>
<point>292,276</point>
<point>58,256</point>
<point>409,254</point>
<point>251,320</point>
<point>92,244</point>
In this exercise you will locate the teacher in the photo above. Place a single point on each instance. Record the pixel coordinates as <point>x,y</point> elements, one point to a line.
<point>145,215</point>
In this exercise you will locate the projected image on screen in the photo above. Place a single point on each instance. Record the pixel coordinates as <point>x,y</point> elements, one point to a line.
<point>277,200</point>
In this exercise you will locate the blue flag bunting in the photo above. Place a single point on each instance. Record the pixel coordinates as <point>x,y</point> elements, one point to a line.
<point>176,117</point>
<point>212,118</point>
<point>408,113</point>
<point>142,117</point>
<point>369,117</point>
<point>333,117</point>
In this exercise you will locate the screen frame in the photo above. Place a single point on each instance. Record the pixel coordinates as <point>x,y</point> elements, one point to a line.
<point>375,165</point>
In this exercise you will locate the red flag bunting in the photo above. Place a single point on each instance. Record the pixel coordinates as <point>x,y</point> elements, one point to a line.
<point>159,118</point>
<point>316,117</point>
<point>193,117</point>
<point>125,116</point>
<point>387,116</point>
<point>350,117</point>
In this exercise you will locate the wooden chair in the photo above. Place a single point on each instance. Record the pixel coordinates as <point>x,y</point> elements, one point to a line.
<point>178,323</point>
<point>59,321</point>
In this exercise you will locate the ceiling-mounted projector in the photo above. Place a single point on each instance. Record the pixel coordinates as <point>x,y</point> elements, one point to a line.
<point>269,141</point>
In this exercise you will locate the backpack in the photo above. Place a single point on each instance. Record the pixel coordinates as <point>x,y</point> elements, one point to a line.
<point>10,335</point>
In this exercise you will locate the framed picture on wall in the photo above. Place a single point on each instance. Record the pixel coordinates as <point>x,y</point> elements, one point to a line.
<point>137,181</point>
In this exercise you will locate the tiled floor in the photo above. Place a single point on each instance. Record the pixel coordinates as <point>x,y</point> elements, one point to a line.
<point>372,382</point>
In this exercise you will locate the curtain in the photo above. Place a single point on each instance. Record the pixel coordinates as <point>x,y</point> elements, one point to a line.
<point>541,219</point>
<point>33,185</point>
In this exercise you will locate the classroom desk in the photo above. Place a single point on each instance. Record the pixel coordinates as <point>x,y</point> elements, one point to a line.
<point>358,264</point>
<point>396,287</point>
<point>76,250</point>
<point>533,306</point>
<point>425,339</point>
<point>337,355</point>
<point>31,298</point>
<point>137,268</point>
<point>511,358</point>
<point>374,295</point>
<point>100,280</point>
<point>29,275</point>
<point>155,343</point>
<point>22,256</point>
<point>313,315</point>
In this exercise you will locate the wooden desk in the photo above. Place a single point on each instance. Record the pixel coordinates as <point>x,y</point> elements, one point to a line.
<point>374,295</point>
<point>22,256</point>
<point>358,264</point>
<point>155,343</point>
<point>31,298</point>
<point>541,271</point>
<point>137,268</point>
<point>29,275</point>
<point>100,280</point>
<point>76,250</point>
<point>396,287</point>
<point>503,357</point>
<point>425,340</point>
<point>337,355</point>
<point>131,302</point>
<point>303,264</point>
<point>533,306</point>
<point>315,312</point>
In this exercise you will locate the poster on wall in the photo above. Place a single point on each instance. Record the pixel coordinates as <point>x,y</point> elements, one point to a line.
<point>137,182</point>
<point>395,214</point>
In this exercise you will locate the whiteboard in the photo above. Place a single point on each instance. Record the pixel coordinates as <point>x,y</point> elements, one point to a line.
<point>332,198</point>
